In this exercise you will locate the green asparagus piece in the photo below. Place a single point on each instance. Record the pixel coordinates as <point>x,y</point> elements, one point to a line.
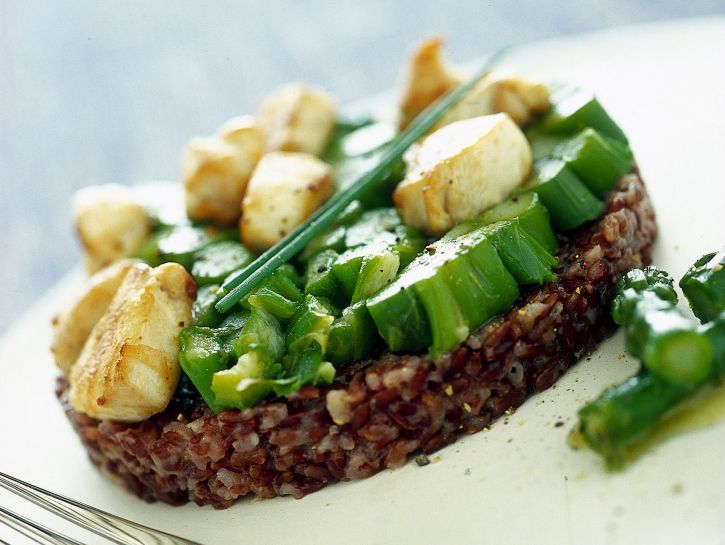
<point>526,259</point>
<point>352,335</point>
<point>449,290</point>
<point>320,280</point>
<point>213,263</point>
<point>376,245</point>
<point>568,200</point>
<point>203,312</point>
<point>638,281</point>
<point>259,347</point>
<point>623,414</point>
<point>180,244</point>
<point>670,345</point>
<point>704,286</point>
<point>276,304</point>
<point>591,157</point>
<point>311,324</point>
<point>573,109</point>
<point>203,351</point>
<point>532,215</point>
<point>667,341</point>
<point>346,268</point>
<point>283,282</point>
<point>376,271</point>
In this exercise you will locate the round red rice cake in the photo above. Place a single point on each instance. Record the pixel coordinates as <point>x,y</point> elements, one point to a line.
<point>380,412</point>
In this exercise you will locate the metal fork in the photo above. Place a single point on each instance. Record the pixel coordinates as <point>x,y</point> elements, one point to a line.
<point>113,528</point>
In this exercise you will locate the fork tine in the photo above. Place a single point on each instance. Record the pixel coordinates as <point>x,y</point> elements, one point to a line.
<point>112,527</point>
<point>37,532</point>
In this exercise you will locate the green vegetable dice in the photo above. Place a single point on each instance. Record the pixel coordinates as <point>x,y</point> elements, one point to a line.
<point>704,286</point>
<point>591,157</point>
<point>311,324</point>
<point>523,256</point>
<point>448,291</point>
<point>180,244</point>
<point>213,263</point>
<point>567,199</point>
<point>574,109</point>
<point>203,312</point>
<point>320,279</point>
<point>352,336</point>
<point>533,218</point>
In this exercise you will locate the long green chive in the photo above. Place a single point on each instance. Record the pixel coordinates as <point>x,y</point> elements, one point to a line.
<point>294,242</point>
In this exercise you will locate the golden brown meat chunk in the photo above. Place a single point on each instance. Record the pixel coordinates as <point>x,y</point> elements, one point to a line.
<point>215,171</point>
<point>129,366</point>
<point>110,222</point>
<point>285,189</point>
<point>428,78</point>
<point>460,170</point>
<point>296,117</point>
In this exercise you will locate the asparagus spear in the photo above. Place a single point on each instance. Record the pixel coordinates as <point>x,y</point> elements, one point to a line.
<point>667,341</point>
<point>704,286</point>
<point>635,283</point>
<point>624,413</point>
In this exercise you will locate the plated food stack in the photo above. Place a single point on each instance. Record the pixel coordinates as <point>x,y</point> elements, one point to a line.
<point>394,330</point>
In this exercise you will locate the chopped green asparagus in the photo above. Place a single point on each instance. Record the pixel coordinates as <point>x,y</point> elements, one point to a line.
<point>320,280</point>
<point>667,341</point>
<point>531,214</point>
<point>203,351</point>
<point>526,259</point>
<point>568,200</point>
<point>180,244</point>
<point>213,263</point>
<point>352,335</point>
<point>704,286</point>
<point>623,414</point>
<point>594,160</point>
<point>203,311</point>
<point>574,109</point>
<point>448,291</point>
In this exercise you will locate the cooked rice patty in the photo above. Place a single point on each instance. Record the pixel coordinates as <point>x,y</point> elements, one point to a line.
<point>390,408</point>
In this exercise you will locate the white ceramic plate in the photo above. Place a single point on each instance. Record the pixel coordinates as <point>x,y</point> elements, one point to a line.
<point>519,482</point>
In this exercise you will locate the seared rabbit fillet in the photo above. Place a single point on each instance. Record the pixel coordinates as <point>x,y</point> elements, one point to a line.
<point>520,98</point>
<point>110,222</point>
<point>215,171</point>
<point>285,189</point>
<point>72,327</point>
<point>460,170</point>
<point>428,78</point>
<point>297,118</point>
<point>128,368</point>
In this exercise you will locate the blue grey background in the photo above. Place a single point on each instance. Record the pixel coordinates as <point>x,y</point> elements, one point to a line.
<point>109,91</point>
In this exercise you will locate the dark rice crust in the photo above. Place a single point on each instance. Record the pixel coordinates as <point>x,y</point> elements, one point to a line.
<point>384,410</point>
